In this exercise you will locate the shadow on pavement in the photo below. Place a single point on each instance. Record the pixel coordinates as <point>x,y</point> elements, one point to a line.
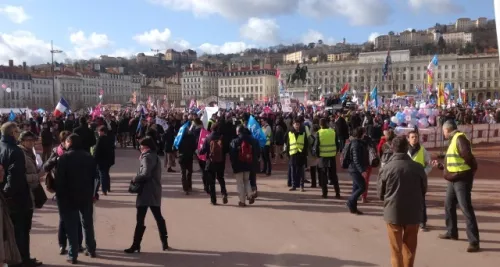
<point>187,258</point>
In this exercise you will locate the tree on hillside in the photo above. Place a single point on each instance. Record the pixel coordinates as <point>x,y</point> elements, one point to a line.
<point>320,41</point>
<point>323,57</point>
<point>391,33</point>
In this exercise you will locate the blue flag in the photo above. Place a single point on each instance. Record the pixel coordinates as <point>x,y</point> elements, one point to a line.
<point>435,60</point>
<point>344,97</point>
<point>12,116</point>
<point>180,134</point>
<point>374,95</point>
<point>256,131</point>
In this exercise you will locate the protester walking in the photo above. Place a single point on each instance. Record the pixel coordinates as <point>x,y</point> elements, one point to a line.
<point>241,156</point>
<point>150,195</point>
<point>402,185</point>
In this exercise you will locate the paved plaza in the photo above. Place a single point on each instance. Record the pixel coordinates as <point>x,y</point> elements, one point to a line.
<point>282,228</point>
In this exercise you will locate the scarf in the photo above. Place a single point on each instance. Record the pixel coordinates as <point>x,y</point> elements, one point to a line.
<point>60,150</point>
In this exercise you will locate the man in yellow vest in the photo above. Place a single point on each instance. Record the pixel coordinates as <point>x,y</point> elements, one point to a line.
<point>326,148</point>
<point>296,149</point>
<point>459,169</point>
<point>420,155</point>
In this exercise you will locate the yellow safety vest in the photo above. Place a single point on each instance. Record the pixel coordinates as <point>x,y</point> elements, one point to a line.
<point>296,144</point>
<point>419,157</point>
<point>455,163</point>
<point>327,146</point>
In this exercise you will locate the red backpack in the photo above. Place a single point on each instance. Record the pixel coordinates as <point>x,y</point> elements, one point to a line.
<point>216,154</point>
<point>245,154</point>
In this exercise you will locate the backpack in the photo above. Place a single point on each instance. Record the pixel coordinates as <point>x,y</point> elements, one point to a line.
<point>216,154</point>
<point>345,159</point>
<point>245,155</point>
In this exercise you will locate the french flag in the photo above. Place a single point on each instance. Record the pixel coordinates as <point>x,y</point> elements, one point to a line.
<point>61,107</point>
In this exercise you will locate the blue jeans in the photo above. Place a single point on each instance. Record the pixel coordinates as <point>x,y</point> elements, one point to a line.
<point>63,237</point>
<point>71,218</point>
<point>297,175</point>
<point>358,188</point>
<point>104,177</point>
<point>459,193</point>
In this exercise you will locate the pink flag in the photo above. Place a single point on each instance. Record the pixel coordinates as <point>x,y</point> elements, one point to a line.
<point>267,110</point>
<point>96,112</point>
<point>203,135</point>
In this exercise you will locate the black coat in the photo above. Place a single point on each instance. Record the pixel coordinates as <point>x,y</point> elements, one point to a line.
<point>75,186</point>
<point>235,150</point>
<point>169,137</point>
<point>104,152</point>
<point>15,186</point>
<point>87,135</point>
<point>359,156</point>
<point>47,138</point>
<point>187,147</point>
<point>341,128</point>
<point>69,125</point>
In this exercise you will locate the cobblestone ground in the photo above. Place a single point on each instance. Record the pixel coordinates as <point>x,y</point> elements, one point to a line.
<point>285,229</point>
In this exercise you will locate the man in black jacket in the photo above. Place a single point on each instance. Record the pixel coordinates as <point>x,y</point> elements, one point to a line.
<point>357,169</point>
<point>104,155</point>
<point>16,190</point>
<point>86,134</point>
<point>75,190</point>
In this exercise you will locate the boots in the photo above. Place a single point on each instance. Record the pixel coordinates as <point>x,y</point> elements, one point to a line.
<point>162,230</point>
<point>136,245</point>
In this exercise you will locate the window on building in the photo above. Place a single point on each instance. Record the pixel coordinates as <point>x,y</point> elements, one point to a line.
<point>473,84</point>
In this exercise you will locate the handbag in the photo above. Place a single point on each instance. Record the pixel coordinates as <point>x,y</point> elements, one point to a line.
<point>39,196</point>
<point>373,157</point>
<point>50,182</point>
<point>135,188</point>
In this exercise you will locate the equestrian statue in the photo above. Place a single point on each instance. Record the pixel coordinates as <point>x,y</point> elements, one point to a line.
<point>300,74</point>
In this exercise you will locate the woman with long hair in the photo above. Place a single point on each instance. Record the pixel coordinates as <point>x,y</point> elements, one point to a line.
<point>149,179</point>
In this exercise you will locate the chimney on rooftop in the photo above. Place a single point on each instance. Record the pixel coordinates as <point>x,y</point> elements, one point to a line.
<point>239,66</point>
<point>11,63</point>
<point>261,64</point>
<point>24,65</point>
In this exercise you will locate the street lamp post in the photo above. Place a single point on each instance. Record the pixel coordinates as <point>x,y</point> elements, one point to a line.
<point>52,52</point>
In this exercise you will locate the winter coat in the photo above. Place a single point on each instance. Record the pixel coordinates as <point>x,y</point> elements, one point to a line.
<point>104,152</point>
<point>15,185</point>
<point>234,151</point>
<point>32,173</point>
<point>74,179</point>
<point>402,184</point>
<point>359,156</point>
<point>150,176</point>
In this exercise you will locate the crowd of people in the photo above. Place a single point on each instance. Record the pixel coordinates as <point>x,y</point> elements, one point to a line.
<point>77,154</point>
